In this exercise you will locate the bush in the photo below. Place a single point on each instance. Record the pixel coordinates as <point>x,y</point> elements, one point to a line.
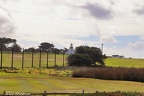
<point>93,52</point>
<point>79,60</point>
<point>86,56</point>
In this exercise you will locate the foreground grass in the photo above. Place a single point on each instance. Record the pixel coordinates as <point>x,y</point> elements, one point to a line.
<point>125,62</point>
<point>22,82</point>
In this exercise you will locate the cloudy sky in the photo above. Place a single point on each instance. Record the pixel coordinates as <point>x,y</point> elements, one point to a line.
<point>118,24</point>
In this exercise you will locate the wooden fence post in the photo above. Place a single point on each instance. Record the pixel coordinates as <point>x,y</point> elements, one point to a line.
<point>83,91</point>
<point>63,58</point>
<point>32,57</point>
<point>1,56</point>
<point>40,59</point>
<point>55,60</point>
<point>4,93</point>
<point>23,58</point>
<point>47,58</point>
<point>12,59</point>
<point>45,94</point>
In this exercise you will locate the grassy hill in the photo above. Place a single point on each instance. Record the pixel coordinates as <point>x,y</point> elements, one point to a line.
<point>125,62</point>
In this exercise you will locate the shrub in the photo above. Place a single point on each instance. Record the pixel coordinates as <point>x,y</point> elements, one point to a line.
<point>86,56</point>
<point>93,52</point>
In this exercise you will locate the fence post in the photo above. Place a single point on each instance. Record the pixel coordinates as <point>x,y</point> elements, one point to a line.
<point>63,58</point>
<point>40,59</point>
<point>83,91</point>
<point>4,93</point>
<point>32,57</point>
<point>1,56</point>
<point>55,59</point>
<point>23,58</point>
<point>45,94</point>
<point>47,58</point>
<point>12,59</point>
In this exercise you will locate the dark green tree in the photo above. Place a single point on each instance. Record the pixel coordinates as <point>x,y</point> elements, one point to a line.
<point>29,49</point>
<point>16,48</point>
<point>6,42</point>
<point>46,46</point>
<point>56,50</point>
<point>93,54</point>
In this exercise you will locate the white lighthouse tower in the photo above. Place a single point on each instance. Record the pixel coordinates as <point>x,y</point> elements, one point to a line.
<point>70,50</point>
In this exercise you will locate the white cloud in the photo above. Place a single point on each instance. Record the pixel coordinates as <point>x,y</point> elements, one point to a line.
<point>69,10</point>
<point>107,39</point>
<point>138,45</point>
<point>142,38</point>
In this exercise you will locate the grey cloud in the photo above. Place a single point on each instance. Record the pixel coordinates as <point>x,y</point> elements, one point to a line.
<point>98,11</point>
<point>139,11</point>
<point>4,9</point>
<point>6,24</point>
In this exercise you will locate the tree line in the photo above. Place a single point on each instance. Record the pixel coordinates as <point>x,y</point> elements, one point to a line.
<point>8,44</point>
<point>83,56</point>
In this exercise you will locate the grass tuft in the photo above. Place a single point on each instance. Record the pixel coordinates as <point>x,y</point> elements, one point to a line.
<point>40,71</point>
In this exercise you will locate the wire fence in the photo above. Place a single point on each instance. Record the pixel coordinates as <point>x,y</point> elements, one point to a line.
<point>31,59</point>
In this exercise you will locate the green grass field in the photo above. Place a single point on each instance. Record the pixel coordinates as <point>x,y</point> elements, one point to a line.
<point>114,62</point>
<point>125,62</point>
<point>23,82</point>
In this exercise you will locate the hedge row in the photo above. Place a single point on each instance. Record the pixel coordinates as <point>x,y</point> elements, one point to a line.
<point>118,93</point>
<point>128,74</point>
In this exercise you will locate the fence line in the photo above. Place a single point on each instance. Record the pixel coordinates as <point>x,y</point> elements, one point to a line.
<point>23,60</point>
<point>5,93</point>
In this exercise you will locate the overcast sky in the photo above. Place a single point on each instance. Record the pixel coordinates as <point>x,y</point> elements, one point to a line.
<point>118,24</point>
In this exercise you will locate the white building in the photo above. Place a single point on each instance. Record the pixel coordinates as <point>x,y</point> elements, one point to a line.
<point>70,50</point>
